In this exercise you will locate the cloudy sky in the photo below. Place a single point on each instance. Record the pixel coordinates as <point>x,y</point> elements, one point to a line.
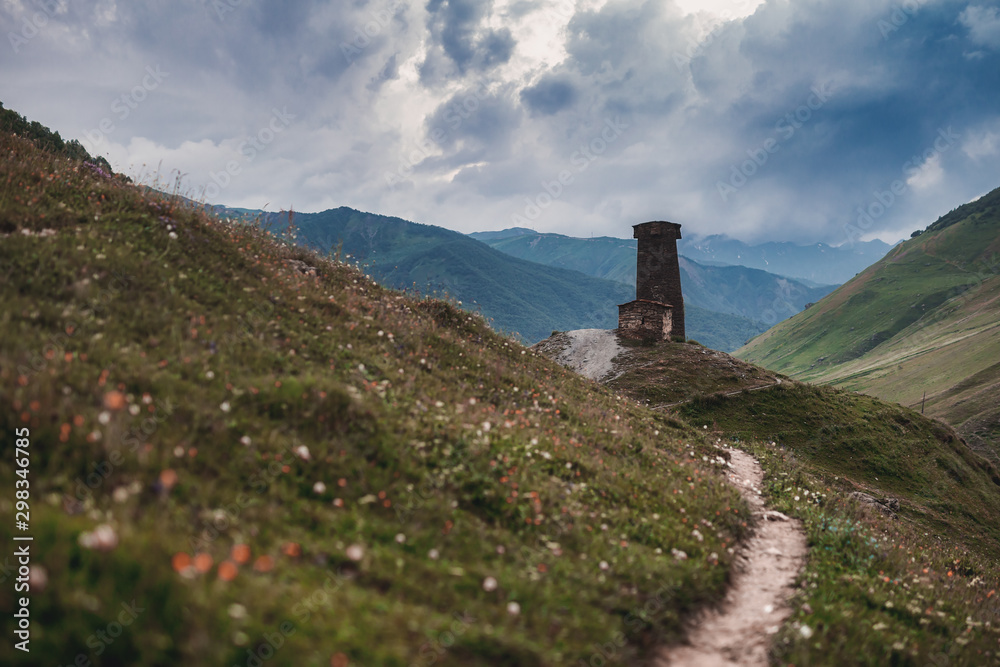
<point>801,120</point>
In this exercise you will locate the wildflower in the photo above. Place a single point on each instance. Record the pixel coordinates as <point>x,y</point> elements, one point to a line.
<point>114,400</point>
<point>236,610</point>
<point>38,578</point>
<point>489,584</point>
<point>603,565</point>
<point>319,488</point>
<point>180,562</point>
<point>240,554</point>
<point>168,478</point>
<point>433,554</point>
<point>224,406</point>
<point>227,570</point>
<point>302,452</point>
<point>513,608</point>
<point>203,562</point>
<point>102,538</point>
<point>263,564</point>
<point>806,631</point>
<point>355,552</point>
<point>400,538</point>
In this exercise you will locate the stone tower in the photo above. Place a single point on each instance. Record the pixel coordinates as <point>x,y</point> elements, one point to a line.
<point>658,273</point>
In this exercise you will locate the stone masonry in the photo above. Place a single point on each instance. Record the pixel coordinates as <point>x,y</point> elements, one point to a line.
<point>658,281</point>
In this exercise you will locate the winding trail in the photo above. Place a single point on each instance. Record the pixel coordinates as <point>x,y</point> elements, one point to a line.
<point>739,633</point>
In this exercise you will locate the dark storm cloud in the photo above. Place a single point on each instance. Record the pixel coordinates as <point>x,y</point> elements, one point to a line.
<point>460,43</point>
<point>806,110</point>
<point>473,125</point>
<point>892,83</point>
<point>844,94</point>
<point>549,96</point>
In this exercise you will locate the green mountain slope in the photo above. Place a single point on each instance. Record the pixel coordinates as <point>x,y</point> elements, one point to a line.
<point>735,290</point>
<point>904,546</point>
<point>519,296</point>
<point>230,457</point>
<point>926,318</point>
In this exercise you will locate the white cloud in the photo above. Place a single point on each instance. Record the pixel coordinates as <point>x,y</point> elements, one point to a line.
<point>727,9</point>
<point>983,24</point>
<point>698,82</point>
<point>984,143</point>
<point>927,174</point>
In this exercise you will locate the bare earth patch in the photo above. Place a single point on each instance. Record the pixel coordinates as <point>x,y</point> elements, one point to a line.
<point>739,632</point>
<point>589,352</point>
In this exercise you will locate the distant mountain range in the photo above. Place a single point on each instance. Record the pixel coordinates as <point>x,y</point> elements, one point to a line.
<point>734,290</point>
<point>524,297</point>
<point>817,264</point>
<point>926,318</point>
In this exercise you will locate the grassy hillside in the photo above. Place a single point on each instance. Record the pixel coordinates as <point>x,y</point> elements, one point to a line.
<point>12,122</point>
<point>518,296</point>
<point>734,290</point>
<point>909,584</point>
<point>924,319</point>
<point>242,452</point>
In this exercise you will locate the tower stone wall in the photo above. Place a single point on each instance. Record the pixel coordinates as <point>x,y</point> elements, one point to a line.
<point>658,271</point>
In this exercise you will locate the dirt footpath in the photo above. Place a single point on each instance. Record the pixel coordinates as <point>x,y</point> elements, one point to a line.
<point>739,633</point>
